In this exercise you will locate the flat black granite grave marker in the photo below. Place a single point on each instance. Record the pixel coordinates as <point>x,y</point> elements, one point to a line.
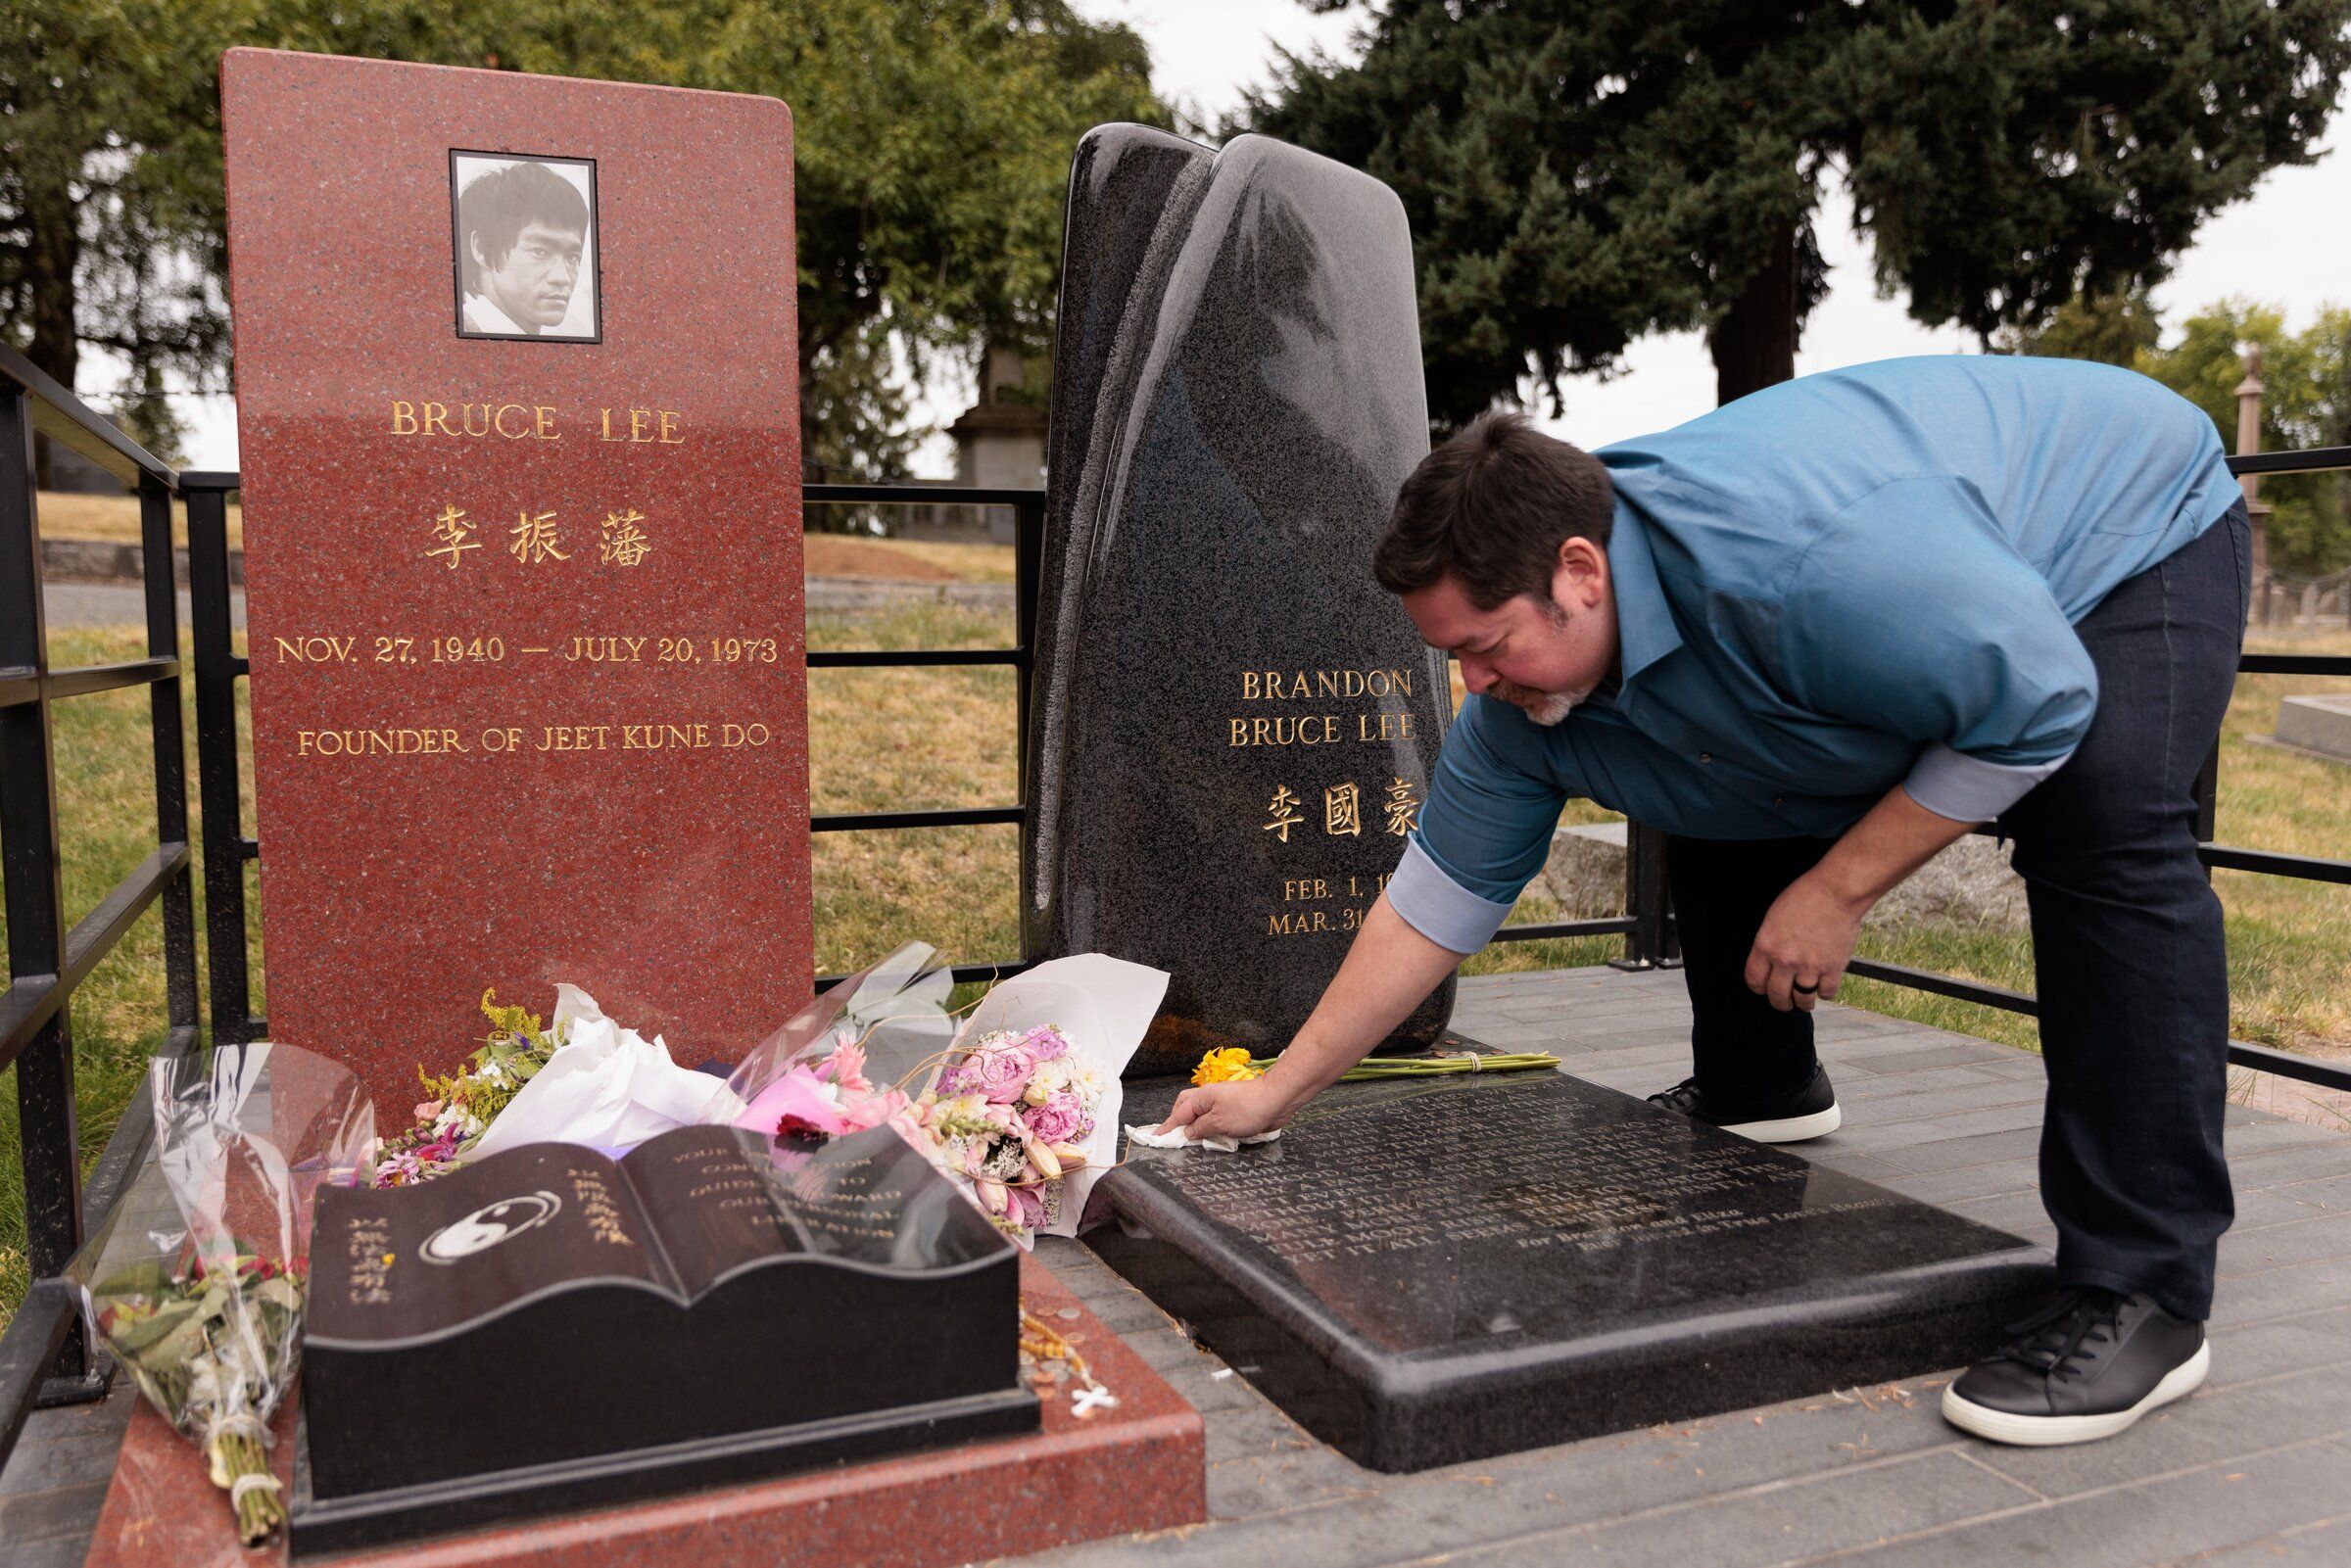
<point>1423,1274</point>
<point>1236,721</point>
<point>550,1329</point>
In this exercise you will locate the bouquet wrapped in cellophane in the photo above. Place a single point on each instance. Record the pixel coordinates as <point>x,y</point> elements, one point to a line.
<point>1016,1103</point>
<point>198,1277</point>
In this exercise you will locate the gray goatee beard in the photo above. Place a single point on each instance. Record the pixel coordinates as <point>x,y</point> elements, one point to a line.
<point>1545,708</point>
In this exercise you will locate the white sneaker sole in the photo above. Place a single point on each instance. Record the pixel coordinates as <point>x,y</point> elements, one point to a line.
<point>1790,1129</point>
<point>2049,1431</point>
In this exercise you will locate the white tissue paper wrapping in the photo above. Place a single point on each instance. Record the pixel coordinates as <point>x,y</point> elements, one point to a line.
<point>606,1086</point>
<point>1102,1005</point>
<point>1178,1138</point>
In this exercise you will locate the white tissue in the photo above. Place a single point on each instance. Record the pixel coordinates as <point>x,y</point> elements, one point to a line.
<point>605,1086</point>
<point>1178,1138</point>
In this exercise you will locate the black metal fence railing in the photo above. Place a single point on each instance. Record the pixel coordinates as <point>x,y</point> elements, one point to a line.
<point>1028,550</point>
<point>45,1357</point>
<point>1647,923</point>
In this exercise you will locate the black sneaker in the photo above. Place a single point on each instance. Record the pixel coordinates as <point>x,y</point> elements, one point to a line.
<point>1809,1113</point>
<point>2083,1368</point>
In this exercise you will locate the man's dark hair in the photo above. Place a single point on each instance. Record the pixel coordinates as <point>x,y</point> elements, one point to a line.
<point>497,206</point>
<point>1491,507</point>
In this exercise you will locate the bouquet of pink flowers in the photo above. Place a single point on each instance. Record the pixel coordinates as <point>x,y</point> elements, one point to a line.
<point>1019,1107</point>
<point>1013,1117</point>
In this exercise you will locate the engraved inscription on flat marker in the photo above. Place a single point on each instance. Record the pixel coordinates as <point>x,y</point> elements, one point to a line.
<point>1433,1271</point>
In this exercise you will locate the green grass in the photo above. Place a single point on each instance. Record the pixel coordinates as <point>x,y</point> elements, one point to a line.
<point>905,738</point>
<point>106,807</point>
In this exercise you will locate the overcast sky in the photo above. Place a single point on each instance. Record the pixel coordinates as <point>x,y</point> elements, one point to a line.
<point>2285,245</point>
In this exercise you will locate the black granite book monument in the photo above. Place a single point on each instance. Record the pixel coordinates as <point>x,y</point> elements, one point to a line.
<point>552,1329</point>
<point>1423,1272</point>
<point>1235,723</point>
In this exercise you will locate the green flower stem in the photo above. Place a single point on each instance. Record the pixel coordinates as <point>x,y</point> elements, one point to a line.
<point>258,1511</point>
<point>1427,1067</point>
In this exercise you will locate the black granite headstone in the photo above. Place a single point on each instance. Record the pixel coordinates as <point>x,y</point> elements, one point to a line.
<point>550,1329</point>
<point>1435,1271</point>
<point>1235,723</point>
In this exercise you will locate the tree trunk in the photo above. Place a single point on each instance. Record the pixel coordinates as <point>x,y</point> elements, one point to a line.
<point>1755,343</point>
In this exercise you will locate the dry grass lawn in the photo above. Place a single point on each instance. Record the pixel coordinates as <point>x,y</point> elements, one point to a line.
<point>116,519</point>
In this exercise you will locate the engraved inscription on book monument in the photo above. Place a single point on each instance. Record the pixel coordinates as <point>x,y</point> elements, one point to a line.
<point>774,1308</point>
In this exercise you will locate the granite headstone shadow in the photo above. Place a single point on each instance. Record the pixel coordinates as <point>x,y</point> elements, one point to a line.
<point>1235,723</point>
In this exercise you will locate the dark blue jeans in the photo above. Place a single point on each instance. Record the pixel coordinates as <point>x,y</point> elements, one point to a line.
<point>2127,951</point>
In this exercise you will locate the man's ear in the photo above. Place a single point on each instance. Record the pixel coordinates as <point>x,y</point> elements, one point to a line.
<point>1580,578</point>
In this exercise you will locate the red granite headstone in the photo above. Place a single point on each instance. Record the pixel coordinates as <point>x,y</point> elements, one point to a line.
<point>518,411</point>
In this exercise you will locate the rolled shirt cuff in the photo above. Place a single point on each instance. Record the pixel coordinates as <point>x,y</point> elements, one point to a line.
<point>1951,784</point>
<point>1440,908</point>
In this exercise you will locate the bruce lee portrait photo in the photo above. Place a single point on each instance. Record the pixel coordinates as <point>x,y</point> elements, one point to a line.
<point>525,247</point>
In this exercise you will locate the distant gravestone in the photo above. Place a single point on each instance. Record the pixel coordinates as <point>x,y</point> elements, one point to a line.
<point>2317,725</point>
<point>517,414</point>
<point>1428,1272</point>
<point>1235,723</point>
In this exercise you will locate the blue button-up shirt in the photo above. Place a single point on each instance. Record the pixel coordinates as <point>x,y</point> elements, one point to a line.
<point>1858,579</point>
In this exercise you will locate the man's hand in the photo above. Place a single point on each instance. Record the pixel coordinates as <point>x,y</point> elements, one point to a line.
<point>1807,937</point>
<point>1234,1110</point>
<point>1389,969</point>
<point>1804,944</point>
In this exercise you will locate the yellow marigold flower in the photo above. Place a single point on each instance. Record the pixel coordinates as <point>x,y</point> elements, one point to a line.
<point>1229,1066</point>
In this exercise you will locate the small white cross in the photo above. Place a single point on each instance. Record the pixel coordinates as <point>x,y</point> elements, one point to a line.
<point>1089,1401</point>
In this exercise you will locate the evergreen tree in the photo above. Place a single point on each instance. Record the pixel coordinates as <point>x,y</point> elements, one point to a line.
<point>1580,172</point>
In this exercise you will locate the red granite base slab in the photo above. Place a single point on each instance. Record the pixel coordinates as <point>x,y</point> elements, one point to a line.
<point>1141,1466</point>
